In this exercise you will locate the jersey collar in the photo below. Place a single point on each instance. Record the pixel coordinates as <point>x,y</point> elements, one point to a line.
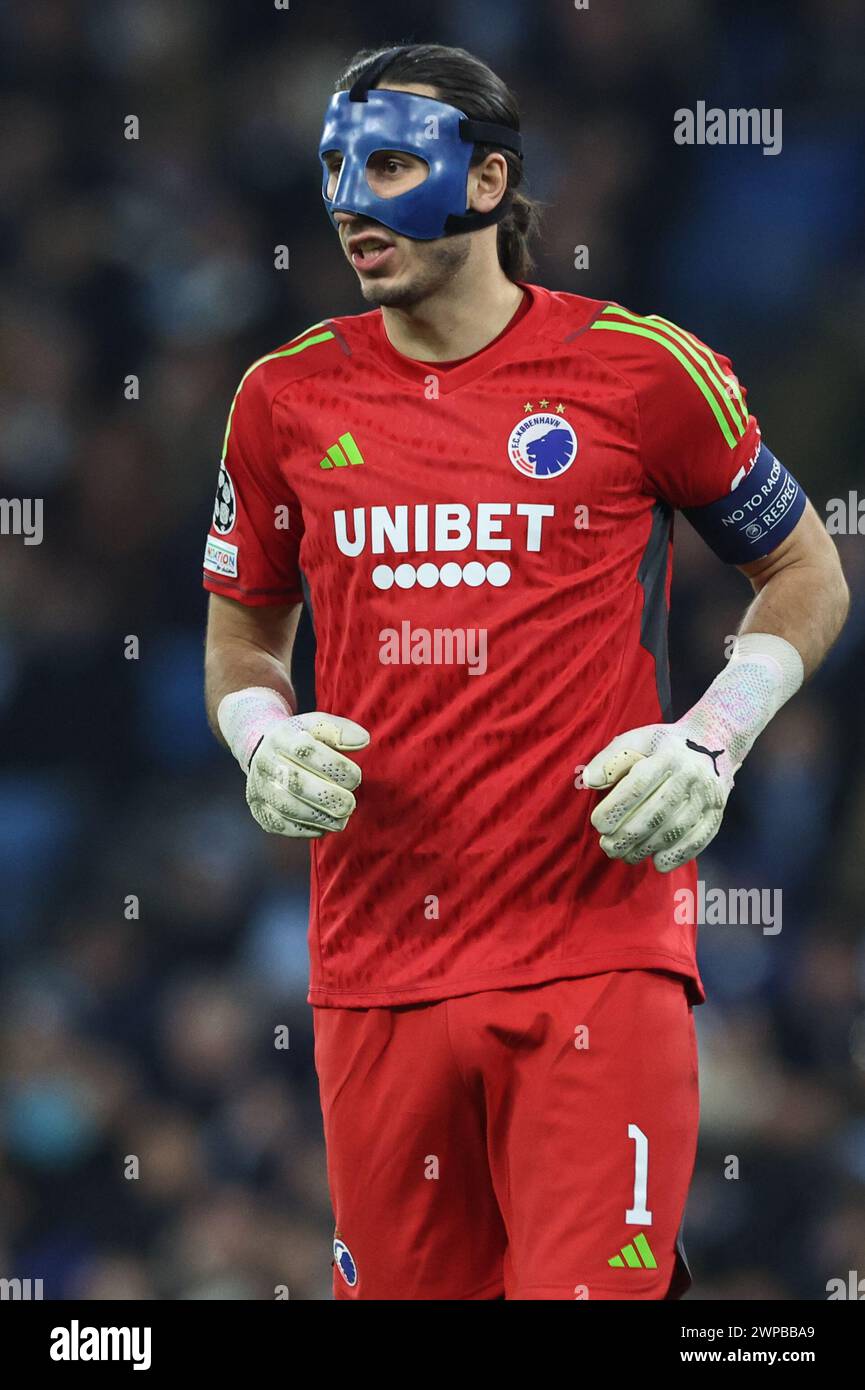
<point>468,370</point>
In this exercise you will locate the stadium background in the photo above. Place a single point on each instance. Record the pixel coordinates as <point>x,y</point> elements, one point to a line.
<point>154,1037</point>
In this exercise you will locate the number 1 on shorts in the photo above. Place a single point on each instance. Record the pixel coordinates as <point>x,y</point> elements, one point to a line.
<point>638,1214</point>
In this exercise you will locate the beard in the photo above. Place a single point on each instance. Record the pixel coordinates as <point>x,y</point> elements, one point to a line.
<point>438,264</point>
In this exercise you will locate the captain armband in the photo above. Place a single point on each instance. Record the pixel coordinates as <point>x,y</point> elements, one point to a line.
<point>755,516</point>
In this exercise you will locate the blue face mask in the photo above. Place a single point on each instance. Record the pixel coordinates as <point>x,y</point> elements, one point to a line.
<point>362,122</point>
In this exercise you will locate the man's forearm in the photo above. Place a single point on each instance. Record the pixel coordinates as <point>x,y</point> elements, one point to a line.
<point>671,781</point>
<point>247,648</point>
<point>237,666</point>
<point>806,605</point>
<point>801,593</point>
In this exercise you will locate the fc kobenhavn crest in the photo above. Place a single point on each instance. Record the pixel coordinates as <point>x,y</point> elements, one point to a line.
<point>344,1261</point>
<point>542,445</point>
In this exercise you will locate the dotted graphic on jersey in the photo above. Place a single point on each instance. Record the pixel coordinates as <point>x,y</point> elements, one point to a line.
<point>450,574</point>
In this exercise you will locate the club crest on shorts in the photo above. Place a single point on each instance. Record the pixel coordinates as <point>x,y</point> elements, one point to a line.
<point>344,1261</point>
<point>542,445</point>
<point>225,506</point>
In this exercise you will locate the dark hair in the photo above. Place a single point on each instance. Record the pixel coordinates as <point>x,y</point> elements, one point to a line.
<point>467,83</point>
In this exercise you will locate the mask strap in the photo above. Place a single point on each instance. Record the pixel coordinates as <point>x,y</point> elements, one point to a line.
<point>370,75</point>
<point>485,133</point>
<point>474,221</point>
<point>490,133</point>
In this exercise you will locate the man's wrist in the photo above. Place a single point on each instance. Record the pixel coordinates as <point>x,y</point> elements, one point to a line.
<point>762,674</point>
<point>777,656</point>
<point>245,717</point>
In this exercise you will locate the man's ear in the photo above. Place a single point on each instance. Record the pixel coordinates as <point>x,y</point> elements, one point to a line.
<point>487,183</point>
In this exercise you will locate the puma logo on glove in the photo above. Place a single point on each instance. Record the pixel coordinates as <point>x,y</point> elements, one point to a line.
<point>698,748</point>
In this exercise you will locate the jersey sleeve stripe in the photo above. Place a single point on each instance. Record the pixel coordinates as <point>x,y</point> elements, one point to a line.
<point>322,323</point>
<point>702,355</point>
<point>270,357</point>
<point>641,331</point>
<point>705,351</point>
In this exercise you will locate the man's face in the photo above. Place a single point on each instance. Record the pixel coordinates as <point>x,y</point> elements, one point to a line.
<point>393,270</point>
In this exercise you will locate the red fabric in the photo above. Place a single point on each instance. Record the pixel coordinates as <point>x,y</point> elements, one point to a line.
<point>475,1151</point>
<point>470,863</point>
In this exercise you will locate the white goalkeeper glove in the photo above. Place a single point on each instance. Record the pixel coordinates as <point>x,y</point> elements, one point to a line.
<point>671,781</point>
<point>298,780</point>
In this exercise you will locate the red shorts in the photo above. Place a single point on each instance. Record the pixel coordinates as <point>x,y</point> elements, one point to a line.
<point>532,1143</point>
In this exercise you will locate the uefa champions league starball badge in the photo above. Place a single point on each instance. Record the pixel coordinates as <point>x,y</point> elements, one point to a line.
<point>225,507</point>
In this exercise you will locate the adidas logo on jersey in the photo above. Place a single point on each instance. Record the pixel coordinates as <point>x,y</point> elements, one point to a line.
<point>343,453</point>
<point>637,1255</point>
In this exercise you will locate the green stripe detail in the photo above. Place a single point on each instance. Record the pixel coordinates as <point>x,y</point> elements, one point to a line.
<point>700,353</point>
<point>351,449</point>
<point>645,1249</point>
<point>641,332</point>
<point>339,458</point>
<point>617,1262</point>
<point>632,1259</point>
<point>735,405</point>
<point>271,357</point>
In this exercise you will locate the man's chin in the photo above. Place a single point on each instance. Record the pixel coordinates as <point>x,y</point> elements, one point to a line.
<point>388,292</point>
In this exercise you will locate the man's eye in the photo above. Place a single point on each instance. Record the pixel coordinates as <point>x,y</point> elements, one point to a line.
<point>388,164</point>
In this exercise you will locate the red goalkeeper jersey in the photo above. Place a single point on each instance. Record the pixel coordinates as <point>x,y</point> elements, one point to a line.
<point>487,548</point>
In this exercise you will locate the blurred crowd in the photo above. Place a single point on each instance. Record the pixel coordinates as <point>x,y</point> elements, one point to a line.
<point>159,1126</point>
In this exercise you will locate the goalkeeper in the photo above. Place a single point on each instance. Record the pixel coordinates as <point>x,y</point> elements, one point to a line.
<point>503,990</point>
